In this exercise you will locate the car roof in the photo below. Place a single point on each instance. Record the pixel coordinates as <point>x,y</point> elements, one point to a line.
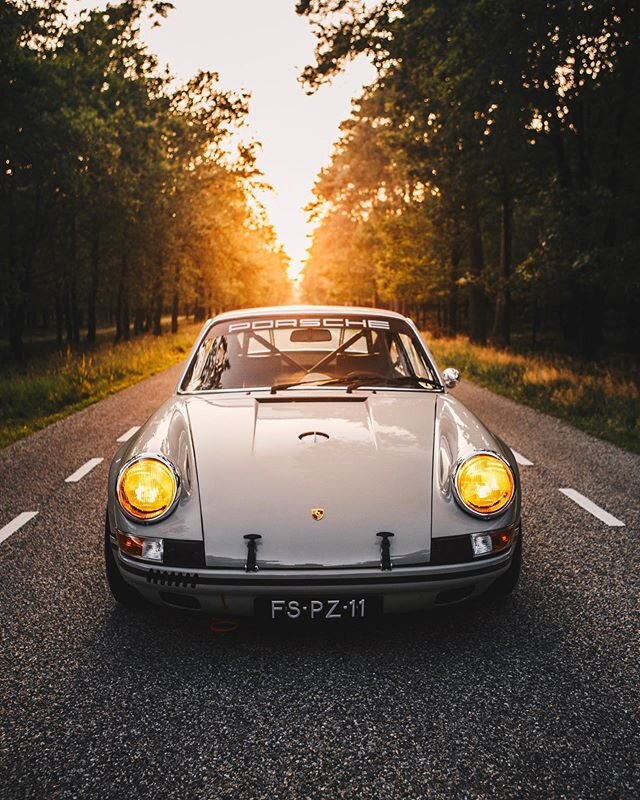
<point>266,311</point>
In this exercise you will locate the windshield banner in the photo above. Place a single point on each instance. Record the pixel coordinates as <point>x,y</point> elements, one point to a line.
<point>265,324</point>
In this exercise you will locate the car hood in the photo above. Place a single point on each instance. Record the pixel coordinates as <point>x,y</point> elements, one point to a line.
<point>265,463</point>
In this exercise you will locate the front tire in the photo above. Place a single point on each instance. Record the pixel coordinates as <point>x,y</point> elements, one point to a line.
<point>503,586</point>
<point>124,594</point>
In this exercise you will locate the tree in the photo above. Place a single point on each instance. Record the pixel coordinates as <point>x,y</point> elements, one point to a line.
<point>505,127</point>
<point>123,196</point>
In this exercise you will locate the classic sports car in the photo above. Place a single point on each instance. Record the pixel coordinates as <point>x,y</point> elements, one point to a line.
<point>312,464</point>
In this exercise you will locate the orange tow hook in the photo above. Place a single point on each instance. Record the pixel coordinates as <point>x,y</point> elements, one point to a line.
<point>223,625</point>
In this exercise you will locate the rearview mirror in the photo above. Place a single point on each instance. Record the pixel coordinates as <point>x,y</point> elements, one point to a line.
<point>451,377</point>
<point>310,335</point>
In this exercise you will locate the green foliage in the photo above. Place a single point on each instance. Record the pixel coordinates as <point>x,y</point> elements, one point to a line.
<point>122,195</point>
<point>602,400</point>
<point>492,167</point>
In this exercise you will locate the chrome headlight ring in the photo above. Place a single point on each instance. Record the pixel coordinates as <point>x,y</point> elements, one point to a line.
<point>454,484</point>
<point>176,476</point>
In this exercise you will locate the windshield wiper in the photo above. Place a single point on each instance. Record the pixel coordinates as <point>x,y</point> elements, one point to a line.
<point>315,382</point>
<point>356,381</point>
<point>400,380</point>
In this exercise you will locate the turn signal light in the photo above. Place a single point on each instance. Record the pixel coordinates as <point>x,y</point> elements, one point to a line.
<point>141,547</point>
<point>484,484</point>
<point>483,544</point>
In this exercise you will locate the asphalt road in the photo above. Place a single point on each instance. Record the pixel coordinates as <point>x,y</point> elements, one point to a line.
<point>536,698</point>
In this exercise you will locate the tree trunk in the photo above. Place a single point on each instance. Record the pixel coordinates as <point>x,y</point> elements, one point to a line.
<point>157,313</point>
<point>94,282</point>
<point>199,305</point>
<point>632,337</point>
<point>591,291</point>
<point>138,321</point>
<point>565,179</point>
<point>477,297</point>
<point>74,311</point>
<point>16,329</point>
<point>592,311</point>
<point>454,274</point>
<point>67,305</point>
<point>502,320</point>
<point>15,315</point>
<point>59,316</point>
<point>534,323</point>
<point>59,291</point>
<point>175,300</point>
<point>126,318</point>
<point>122,301</point>
<point>175,305</point>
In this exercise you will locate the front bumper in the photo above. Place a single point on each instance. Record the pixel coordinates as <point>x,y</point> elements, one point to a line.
<point>233,592</point>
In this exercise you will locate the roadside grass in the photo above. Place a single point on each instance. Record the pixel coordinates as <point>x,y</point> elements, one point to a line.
<point>47,389</point>
<point>602,399</point>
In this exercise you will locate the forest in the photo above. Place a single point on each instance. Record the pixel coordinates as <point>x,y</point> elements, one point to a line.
<point>125,197</point>
<point>488,180</point>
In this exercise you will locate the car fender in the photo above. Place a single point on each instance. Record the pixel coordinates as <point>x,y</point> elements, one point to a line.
<point>168,433</point>
<point>458,433</point>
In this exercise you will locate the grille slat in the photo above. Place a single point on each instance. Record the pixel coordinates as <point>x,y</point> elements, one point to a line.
<point>159,577</point>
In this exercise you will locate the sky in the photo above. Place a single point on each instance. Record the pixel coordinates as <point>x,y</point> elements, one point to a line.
<point>261,46</point>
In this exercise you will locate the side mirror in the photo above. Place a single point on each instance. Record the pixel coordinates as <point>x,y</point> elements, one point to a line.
<point>451,377</point>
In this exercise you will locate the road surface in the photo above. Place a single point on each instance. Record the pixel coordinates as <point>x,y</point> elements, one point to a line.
<point>538,698</point>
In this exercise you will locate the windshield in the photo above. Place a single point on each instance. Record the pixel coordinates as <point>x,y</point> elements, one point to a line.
<point>281,352</point>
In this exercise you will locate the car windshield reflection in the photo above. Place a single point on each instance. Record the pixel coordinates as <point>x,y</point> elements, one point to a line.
<point>280,353</point>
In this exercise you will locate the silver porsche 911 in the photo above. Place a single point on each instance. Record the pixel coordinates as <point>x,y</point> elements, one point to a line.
<point>312,465</point>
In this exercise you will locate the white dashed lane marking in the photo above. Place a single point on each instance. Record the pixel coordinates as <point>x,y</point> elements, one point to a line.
<point>592,508</point>
<point>524,462</point>
<point>85,469</point>
<point>128,434</point>
<point>15,524</point>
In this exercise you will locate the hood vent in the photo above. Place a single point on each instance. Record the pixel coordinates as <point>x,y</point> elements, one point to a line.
<point>336,398</point>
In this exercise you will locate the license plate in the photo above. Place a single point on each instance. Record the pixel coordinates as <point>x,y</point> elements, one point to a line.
<point>329,609</point>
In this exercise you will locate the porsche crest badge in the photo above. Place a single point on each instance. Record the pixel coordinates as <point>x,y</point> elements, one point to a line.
<point>317,513</point>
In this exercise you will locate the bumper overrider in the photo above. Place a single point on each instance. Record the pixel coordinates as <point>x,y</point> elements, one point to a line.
<point>235,592</point>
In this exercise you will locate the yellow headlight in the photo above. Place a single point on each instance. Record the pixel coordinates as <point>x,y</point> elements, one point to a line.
<point>485,484</point>
<point>147,488</point>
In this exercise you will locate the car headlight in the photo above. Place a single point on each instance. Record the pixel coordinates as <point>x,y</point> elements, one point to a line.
<point>148,487</point>
<point>483,484</point>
